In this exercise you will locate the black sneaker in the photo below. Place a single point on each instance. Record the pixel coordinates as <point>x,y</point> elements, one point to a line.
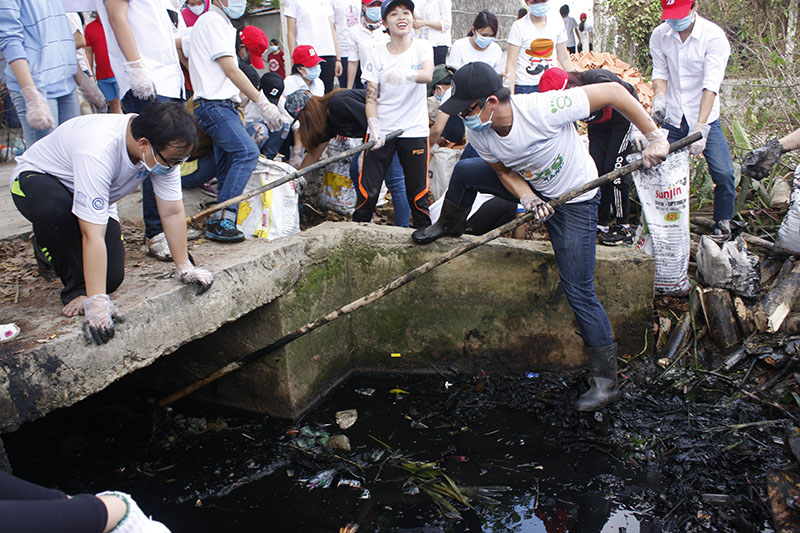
<point>616,235</point>
<point>223,231</point>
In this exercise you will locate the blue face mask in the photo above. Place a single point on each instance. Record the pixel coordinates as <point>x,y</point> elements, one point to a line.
<point>482,41</point>
<point>373,14</point>
<point>272,49</point>
<point>539,10</point>
<point>474,123</point>
<point>681,24</point>
<point>235,8</point>
<point>158,168</point>
<point>313,73</point>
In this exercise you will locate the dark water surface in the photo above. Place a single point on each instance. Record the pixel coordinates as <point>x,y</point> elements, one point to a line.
<point>234,471</point>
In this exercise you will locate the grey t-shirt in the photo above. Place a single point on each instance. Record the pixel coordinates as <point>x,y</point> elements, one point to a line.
<point>571,25</point>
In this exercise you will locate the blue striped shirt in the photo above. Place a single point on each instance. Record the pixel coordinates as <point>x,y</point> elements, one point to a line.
<point>38,31</point>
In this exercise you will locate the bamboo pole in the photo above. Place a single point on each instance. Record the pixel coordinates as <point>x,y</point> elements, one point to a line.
<point>290,177</point>
<point>412,275</point>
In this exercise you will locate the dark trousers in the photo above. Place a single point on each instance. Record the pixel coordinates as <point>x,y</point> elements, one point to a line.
<point>48,205</point>
<point>328,70</point>
<point>609,147</point>
<point>29,508</point>
<point>413,155</point>
<point>440,54</point>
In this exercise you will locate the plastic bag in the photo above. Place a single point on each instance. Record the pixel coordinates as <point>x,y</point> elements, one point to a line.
<point>273,213</point>
<point>729,266</point>
<point>664,229</point>
<point>442,163</point>
<point>789,233</point>
<point>337,192</point>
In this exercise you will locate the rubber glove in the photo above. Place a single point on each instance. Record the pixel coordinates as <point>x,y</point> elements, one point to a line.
<point>657,148</point>
<point>758,163</point>
<point>399,76</point>
<point>92,93</point>
<point>134,521</point>
<point>637,139</point>
<point>194,275</point>
<point>37,112</point>
<point>532,202</point>
<point>101,315</point>
<point>142,85</point>
<point>374,127</point>
<point>697,147</point>
<point>269,112</point>
<point>296,158</point>
<point>659,112</point>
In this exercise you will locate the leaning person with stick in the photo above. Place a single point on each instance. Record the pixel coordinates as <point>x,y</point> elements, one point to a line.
<point>67,184</point>
<point>530,152</point>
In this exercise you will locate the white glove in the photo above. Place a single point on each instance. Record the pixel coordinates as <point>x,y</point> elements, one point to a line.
<point>697,147</point>
<point>532,202</point>
<point>657,148</point>
<point>659,112</point>
<point>296,158</point>
<point>142,85</point>
<point>134,520</point>
<point>637,139</point>
<point>92,93</point>
<point>399,76</point>
<point>100,317</point>
<point>374,127</point>
<point>269,112</point>
<point>37,112</point>
<point>190,274</point>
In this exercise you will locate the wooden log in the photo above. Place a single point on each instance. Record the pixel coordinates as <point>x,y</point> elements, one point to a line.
<point>775,305</point>
<point>781,193</point>
<point>681,335</point>
<point>721,319</point>
<point>791,325</point>
<point>771,270</point>
<point>744,316</point>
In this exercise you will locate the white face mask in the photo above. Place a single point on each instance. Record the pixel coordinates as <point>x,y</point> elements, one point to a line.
<point>197,10</point>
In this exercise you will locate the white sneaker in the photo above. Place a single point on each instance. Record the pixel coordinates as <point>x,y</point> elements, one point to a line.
<point>134,520</point>
<point>157,247</point>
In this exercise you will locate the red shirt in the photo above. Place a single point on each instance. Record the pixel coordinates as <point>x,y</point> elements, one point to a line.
<point>96,38</point>
<point>275,63</point>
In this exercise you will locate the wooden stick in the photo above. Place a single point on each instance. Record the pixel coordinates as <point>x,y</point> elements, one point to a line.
<point>412,275</point>
<point>291,177</point>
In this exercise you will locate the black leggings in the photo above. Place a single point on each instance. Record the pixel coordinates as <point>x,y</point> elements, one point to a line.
<point>413,155</point>
<point>48,205</point>
<point>327,73</point>
<point>29,508</point>
<point>609,146</point>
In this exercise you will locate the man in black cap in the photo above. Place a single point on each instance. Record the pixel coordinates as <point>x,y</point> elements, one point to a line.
<point>529,153</point>
<point>270,142</point>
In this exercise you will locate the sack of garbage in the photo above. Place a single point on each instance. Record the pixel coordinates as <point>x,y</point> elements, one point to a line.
<point>337,192</point>
<point>273,213</point>
<point>443,161</point>
<point>664,229</point>
<point>789,232</point>
<point>729,266</point>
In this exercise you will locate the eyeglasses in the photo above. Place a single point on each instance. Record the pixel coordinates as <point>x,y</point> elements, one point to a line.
<point>170,165</point>
<point>468,111</point>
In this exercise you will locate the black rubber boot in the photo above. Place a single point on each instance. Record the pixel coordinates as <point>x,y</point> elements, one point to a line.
<point>452,222</point>
<point>604,390</point>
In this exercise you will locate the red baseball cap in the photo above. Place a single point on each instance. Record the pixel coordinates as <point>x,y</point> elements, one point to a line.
<point>553,79</point>
<point>675,9</point>
<point>306,56</point>
<point>369,2</point>
<point>583,16</point>
<point>256,42</point>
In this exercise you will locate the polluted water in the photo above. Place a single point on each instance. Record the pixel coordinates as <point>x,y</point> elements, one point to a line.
<point>427,453</point>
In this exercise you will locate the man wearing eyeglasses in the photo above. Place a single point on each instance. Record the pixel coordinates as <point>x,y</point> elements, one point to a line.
<point>67,184</point>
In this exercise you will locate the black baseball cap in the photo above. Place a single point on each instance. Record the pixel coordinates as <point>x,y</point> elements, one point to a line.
<point>471,82</point>
<point>386,6</point>
<point>272,85</point>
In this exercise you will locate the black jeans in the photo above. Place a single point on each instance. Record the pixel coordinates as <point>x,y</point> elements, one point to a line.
<point>440,54</point>
<point>609,147</point>
<point>413,155</point>
<point>328,69</point>
<point>29,508</point>
<point>48,205</point>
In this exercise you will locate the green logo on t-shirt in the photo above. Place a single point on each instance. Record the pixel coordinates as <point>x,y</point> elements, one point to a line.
<point>560,102</point>
<point>546,174</point>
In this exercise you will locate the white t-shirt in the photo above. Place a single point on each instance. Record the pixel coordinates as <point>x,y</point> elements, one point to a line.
<point>295,82</point>
<point>462,52</point>
<point>537,47</point>
<point>313,24</point>
<point>89,156</point>
<point>571,27</point>
<point>76,25</point>
<point>212,36</point>
<point>364,41</point>
<point>543,145</point>
<point>401,106</point>
<point>437,10</point>
<point>154,34</point>
<point>346,14</point>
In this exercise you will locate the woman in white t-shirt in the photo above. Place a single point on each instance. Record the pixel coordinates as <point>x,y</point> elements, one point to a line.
<point>479,44</point>
<point>306,69</point>
<point>535,43</point>
<point>310,22</point>
<point>434,20</point>
<point>396,75</point>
